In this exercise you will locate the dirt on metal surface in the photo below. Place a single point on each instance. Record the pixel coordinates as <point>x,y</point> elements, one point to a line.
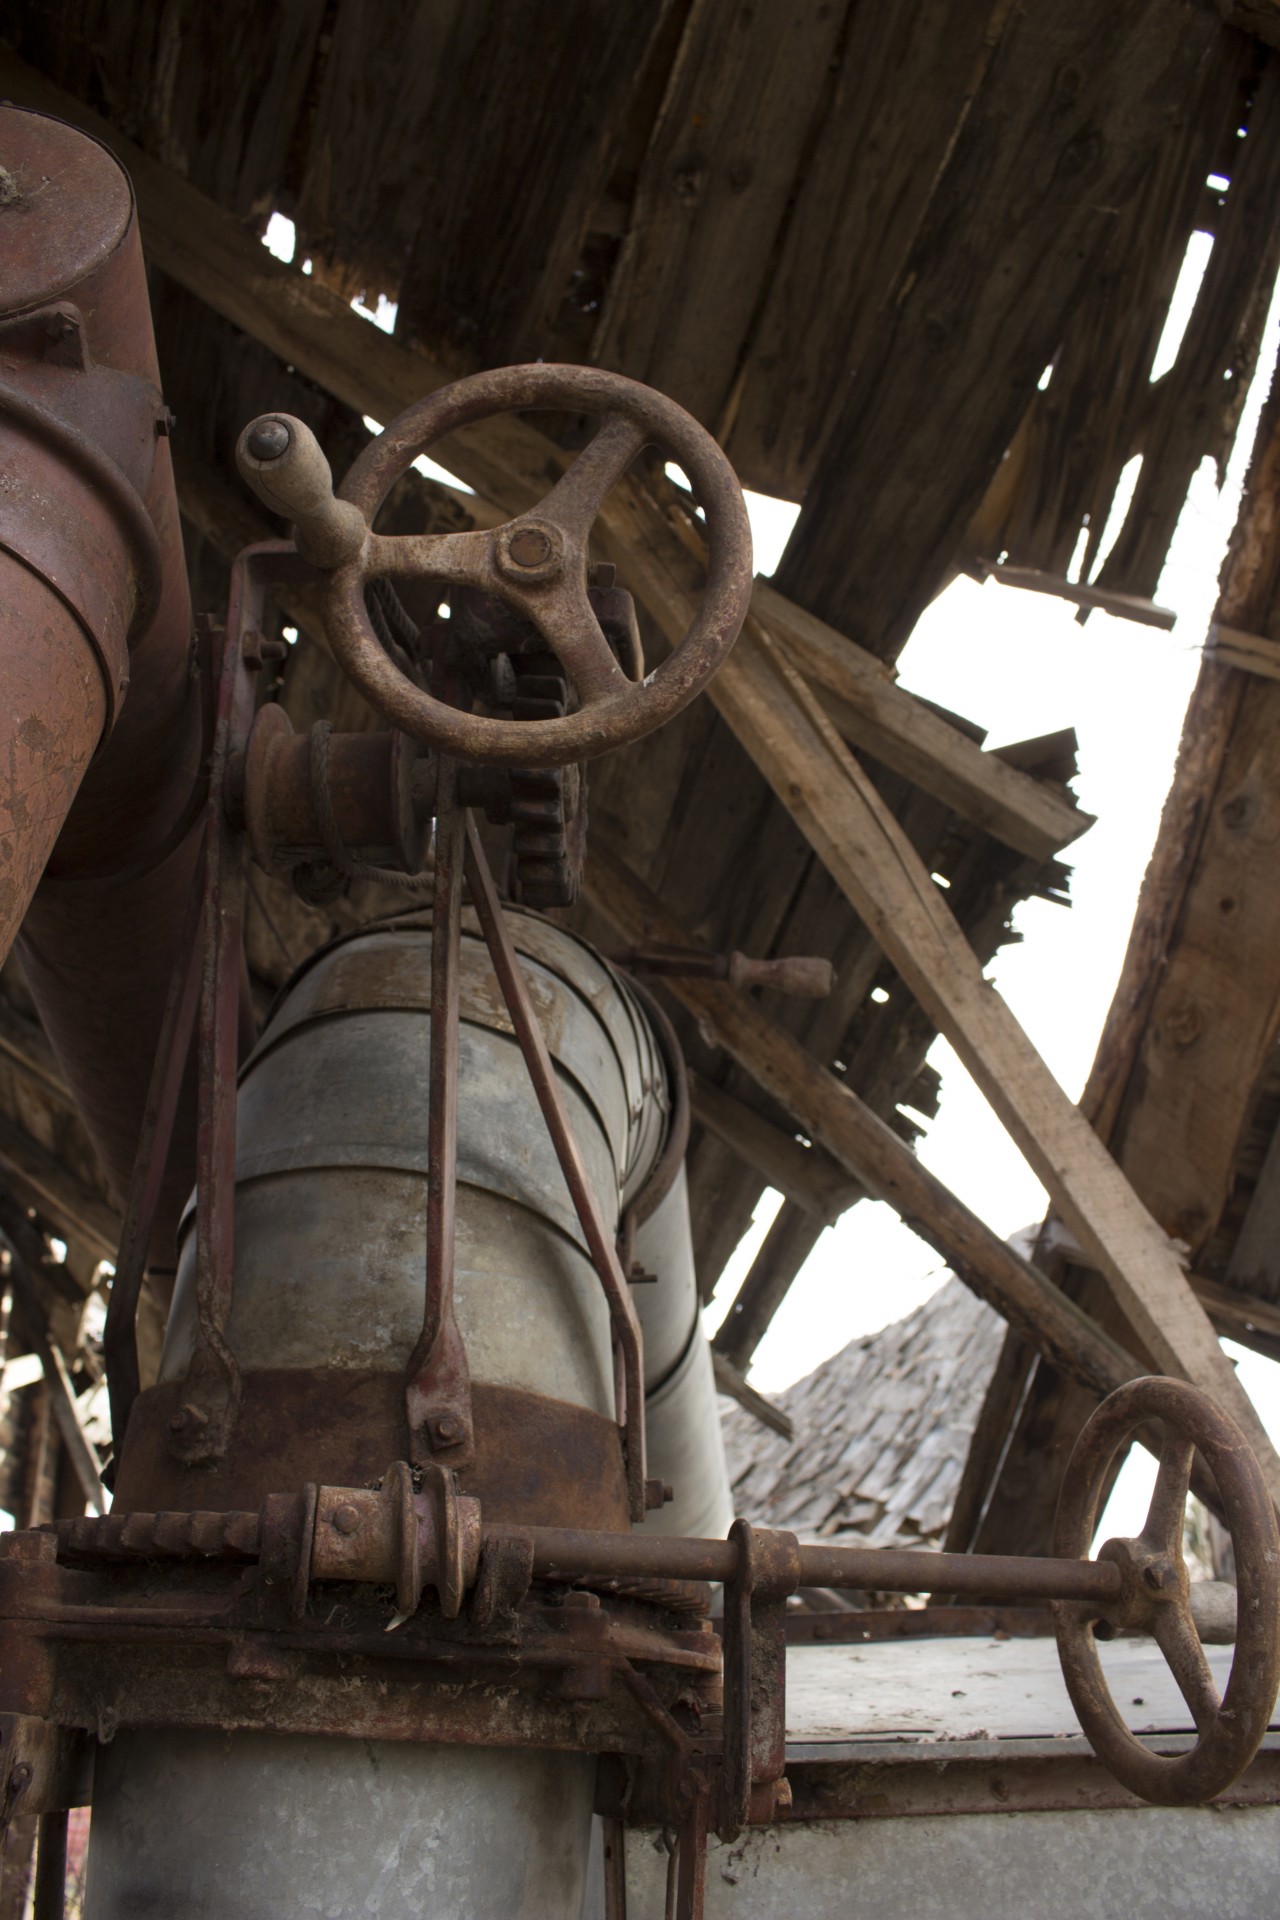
<point>84,428</point>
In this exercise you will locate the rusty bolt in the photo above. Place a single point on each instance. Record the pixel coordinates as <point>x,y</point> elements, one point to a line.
<point>531,547</point>
<point>344,1519</point>
<point>268,439</point>
<point>450,1430</point>
<point>186,1418</point>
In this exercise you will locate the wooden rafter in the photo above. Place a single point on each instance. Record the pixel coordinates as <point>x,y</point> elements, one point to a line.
<point>832,1115</point>
<point>767,705</point>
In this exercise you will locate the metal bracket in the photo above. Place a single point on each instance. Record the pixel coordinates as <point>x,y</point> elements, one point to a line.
<point>754,1789</point>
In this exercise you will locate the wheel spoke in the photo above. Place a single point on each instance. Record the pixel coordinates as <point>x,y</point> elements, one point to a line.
<point>575,500</point>
<point>455,559</point>
<point>1166,1515</point>
<point>1179,1642</point>
<point>563,616</point>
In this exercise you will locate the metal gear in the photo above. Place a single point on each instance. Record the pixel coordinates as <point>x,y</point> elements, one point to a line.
<point>548,804</point>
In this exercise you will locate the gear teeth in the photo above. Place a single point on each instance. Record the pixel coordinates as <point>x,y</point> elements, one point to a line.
<point>549,848</point>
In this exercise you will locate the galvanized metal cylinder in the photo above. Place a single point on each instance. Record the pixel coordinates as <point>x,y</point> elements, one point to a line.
<point>682,1415</point>
<point>206,1826</point>
<point>329,1289</point>
<point>331,1167</point>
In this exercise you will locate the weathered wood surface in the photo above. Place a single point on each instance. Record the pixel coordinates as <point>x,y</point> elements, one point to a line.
<point>1183,977</point>
<point>1077,98</point>
<point>806,1175</point>
<point>874,713</point>
<point>1209,379</point>
<point>732,1384</point>
<point>863,846</point>
<point>881,1432</point>
<point>787,1245</point>
<point>830,1113</point>
<point>1099,407</point>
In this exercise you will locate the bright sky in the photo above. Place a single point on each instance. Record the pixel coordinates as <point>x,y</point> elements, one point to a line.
<point>1019,664</point>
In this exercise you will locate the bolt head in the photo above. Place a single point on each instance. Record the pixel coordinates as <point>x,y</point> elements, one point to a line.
<point>449,1430</point>
<point>531,547</point>
<point>345,1519</point>
<point>268,438</point>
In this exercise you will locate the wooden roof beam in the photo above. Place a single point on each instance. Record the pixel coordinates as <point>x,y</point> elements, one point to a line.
<point>511,464</point>
<point>831,1114</point>
<point>770,710</point>
<point>807,1175</point>
<point>863,846</point>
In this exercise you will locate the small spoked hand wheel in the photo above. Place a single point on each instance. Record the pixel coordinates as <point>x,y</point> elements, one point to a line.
<point>536,563</point>
<point>1154,1588</point>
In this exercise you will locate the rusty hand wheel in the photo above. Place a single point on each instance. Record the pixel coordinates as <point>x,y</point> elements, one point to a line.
<point>1154,1592</point>
<point>536,563</point>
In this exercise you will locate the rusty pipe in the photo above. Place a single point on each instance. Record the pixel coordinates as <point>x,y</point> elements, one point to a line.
<point>99,705</point>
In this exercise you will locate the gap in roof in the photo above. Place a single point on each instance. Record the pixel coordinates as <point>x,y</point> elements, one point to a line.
<point>1182,302</point>
<point>383,315</point>
<point>280,238</point>
<point>771,520</point>
<point>430,469</point>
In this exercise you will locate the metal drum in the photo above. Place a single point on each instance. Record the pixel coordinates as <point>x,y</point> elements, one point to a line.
<point>328,1304</point>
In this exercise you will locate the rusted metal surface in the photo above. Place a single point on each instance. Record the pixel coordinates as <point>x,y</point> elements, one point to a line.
<point>629,1349</point>
<point>98,646</point>
<point>536,1460</point>
<point>536,563</point>
<point>569,1554</point>
<point>438,1378</point>
<point>858,1625</point>
<point>51,719</point>
<point>907,1779</point>
<point>1152,1591</point>
<point>371,785</point>
<point>499,1636</point>
<point>201,1427</point>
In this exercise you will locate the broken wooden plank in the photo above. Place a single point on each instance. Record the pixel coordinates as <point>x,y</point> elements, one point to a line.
<point>1125,606</point>
<point>830,1113</point>
<point>871,710</point>
<point>729,1381</point>
<point>1125,1102</point>
<point>1076,102</point>
<point>861,843</point>
<point>787,1245</point>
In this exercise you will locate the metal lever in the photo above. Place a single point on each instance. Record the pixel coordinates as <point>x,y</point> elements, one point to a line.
<point>803,974</point>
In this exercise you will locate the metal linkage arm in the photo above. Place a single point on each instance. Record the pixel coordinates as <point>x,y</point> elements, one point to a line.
<point>628,1348</point>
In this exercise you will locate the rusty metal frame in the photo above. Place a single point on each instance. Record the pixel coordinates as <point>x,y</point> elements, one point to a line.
<point>627,1338</point>
<point>438,1383</point>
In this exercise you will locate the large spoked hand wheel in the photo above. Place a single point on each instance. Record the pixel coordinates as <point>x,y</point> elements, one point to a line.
<point>536,563</point>
<point>1154,1592</point>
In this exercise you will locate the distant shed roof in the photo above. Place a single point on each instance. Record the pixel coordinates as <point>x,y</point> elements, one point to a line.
<point>881,1431</point>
